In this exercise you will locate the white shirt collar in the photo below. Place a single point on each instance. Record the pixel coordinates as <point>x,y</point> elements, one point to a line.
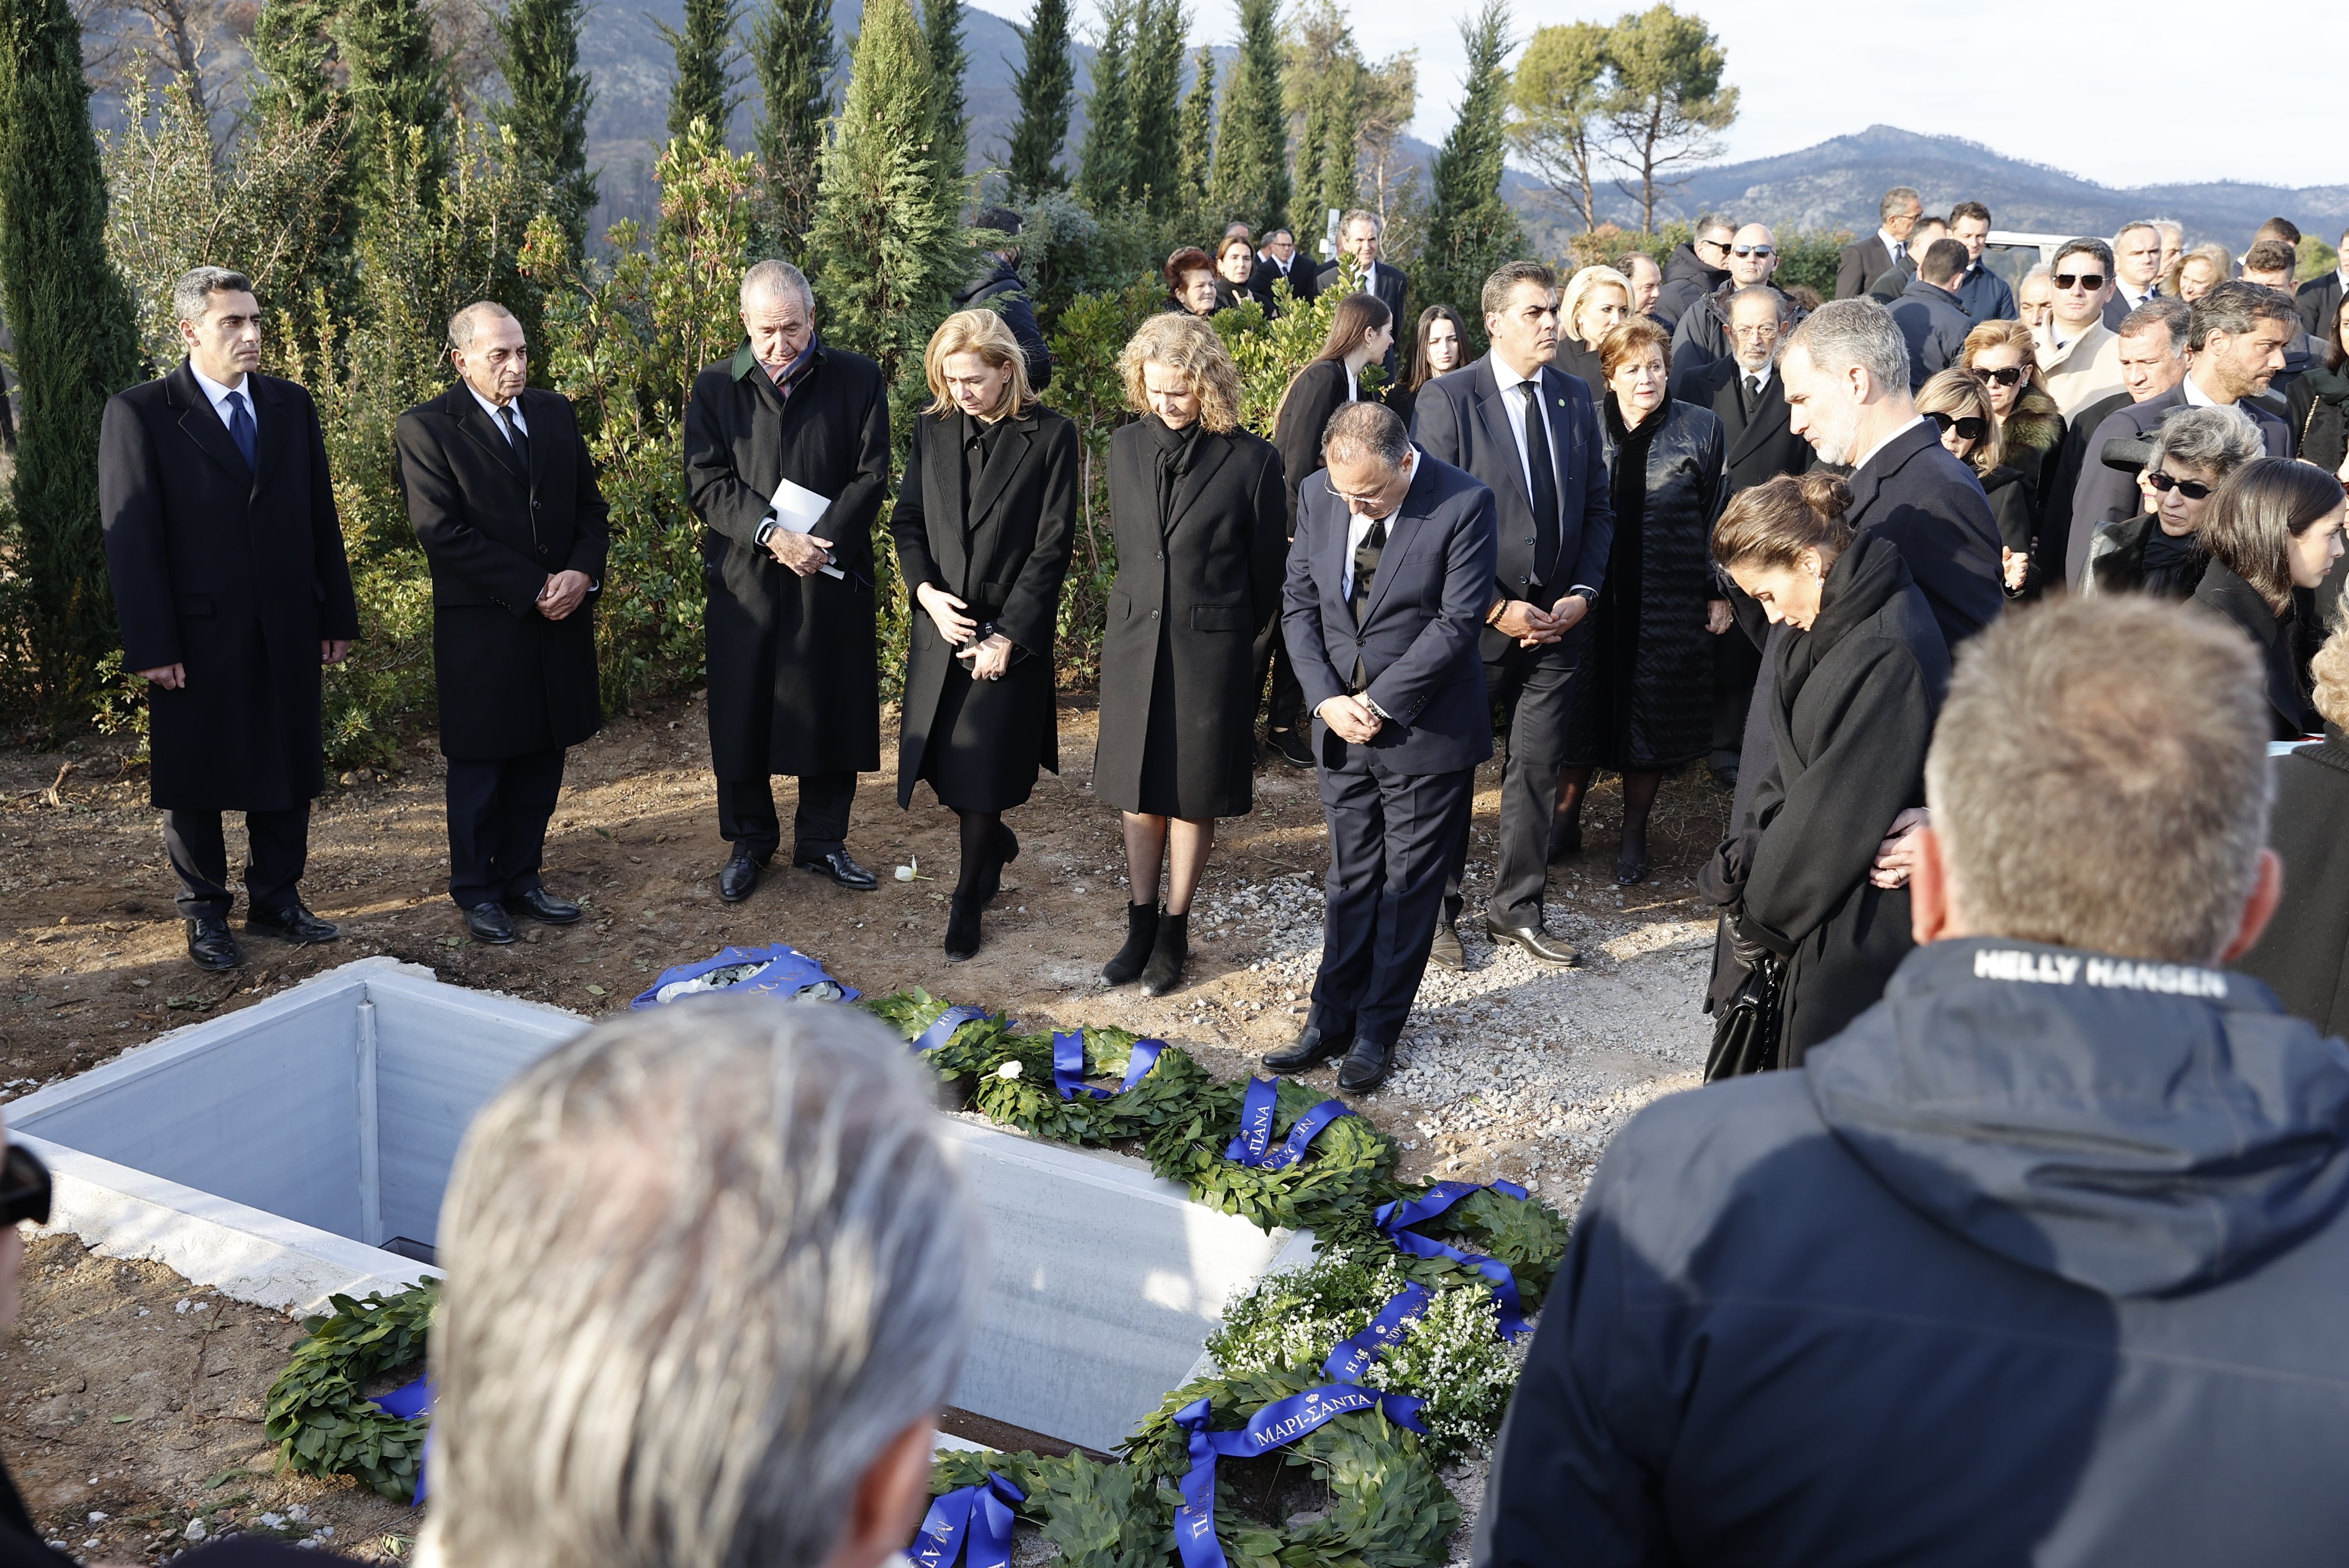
<point>1769,368</point>
<point>217,395</point>
<point>2198,399</point>
<point>491,410</point>
<point>1865,456</point>
<point>1506,377</point>
<point>1892,247</point>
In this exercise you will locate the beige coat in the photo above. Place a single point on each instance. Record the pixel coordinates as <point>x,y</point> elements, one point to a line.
<point>2088,368</point>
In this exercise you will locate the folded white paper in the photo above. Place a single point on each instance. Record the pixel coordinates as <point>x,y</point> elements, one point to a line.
<point>799,509</point>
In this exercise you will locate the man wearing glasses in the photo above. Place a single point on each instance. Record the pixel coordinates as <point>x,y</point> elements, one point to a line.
<point>2078,355</point>
<point>1695,269</point>
<point>1703,336</point>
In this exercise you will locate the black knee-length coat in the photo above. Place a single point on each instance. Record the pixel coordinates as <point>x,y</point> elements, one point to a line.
<point>1002,550</point>
<point>794,680</point>
<point>238,573</point>
<point>1195,585</point>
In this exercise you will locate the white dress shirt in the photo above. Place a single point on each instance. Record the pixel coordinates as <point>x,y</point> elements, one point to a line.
<point>2198,399</point>
<point>1895,249</point>
<point>1888,440</point>
<point>219,396</point>
<point>1514,402</point>
<point>491,410</point>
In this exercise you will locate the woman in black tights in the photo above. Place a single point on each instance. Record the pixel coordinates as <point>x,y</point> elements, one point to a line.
<point>984,519</point>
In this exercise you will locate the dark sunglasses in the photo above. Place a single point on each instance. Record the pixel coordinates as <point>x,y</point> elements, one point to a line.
<point>2091,281</point>
<point>2187,487</point>
<point>24,1187</point>
<point>1754,250</point>
<point>1973,428</point>
<point>2008,376</point>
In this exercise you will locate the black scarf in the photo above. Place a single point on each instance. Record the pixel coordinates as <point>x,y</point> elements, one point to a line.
<point>1862,581</point>
<point>1176,451</point>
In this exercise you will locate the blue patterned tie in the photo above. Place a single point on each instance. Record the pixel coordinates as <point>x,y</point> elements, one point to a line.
<point>239,427</point>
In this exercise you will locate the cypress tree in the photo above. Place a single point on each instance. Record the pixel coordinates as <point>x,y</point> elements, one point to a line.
<point>294,59</point>
<point>1198,136</point>
<point>888,253</point>
<point>942,30</point>
<point>793,53</point>
<point>546,105</point>
<point>1251,177</point>
<point>1341,121</point>
<point>1470,230</point>
<point>396,87</point>
<point>1047,88</point>
<point>1105,166</point>
<point>704,86</point>
<point>1154,91</point>
<point>77,344</point>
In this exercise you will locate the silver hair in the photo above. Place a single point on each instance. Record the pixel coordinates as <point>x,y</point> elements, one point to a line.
<point>2038,269</point>
<point>468,321</point>
<point>1365,430</point>
<point>1897,198</point>
<point>2099,778</point>
<point>2215,441</point>
<point>774,277</point>
<point>1354,215</point>
<point>192,294</point>
<point>1847,332</point>
<point>1777,301</point>
<point>704,1264</point>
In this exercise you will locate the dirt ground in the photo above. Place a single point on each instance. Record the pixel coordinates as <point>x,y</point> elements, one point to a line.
<point>126,1412</point>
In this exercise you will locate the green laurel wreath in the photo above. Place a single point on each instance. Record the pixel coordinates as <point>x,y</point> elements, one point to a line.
<point>318,1413</point>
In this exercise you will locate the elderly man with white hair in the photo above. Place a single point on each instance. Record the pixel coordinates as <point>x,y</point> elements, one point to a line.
<point>787,463</point>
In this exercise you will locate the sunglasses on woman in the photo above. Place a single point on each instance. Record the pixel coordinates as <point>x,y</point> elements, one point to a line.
<point>2190,489</point>
<point>1972,428</point>
<point>2006,375</point>
<point>24,1188</point>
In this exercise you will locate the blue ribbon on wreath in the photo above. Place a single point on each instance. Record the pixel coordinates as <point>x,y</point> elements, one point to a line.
<point>1068,1065</point>
<point>1253,1145</point>
<point>1352,1358</point>
<point>942,1028</point>
<point>406,1403</point>
<point>1278,1424</point>
<point>979,1517</point>
<point>1395,1219</point>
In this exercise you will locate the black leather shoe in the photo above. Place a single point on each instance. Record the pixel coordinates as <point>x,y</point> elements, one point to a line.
<point>490,923</point>
<point>1312,1049</point>
<point>1007,850</point>
<point>1125,966</point>
<point>962,926</point>
<point>1544,947</point>
<point>292,923</point>
<point>1364,1068</point>
<point>1629,873</point>
<point>1168,953</point>
<point>544,907</point>
<point>1445,951</point>
<point>212,944</point>
<point>1291,747</point>
<point>841,867</point>
<point>739,875</point>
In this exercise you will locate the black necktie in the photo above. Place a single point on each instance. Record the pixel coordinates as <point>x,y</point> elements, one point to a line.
<point>1753,395</point>
<point>1545,482</point>
<point>514,435</point>
<point>1366,570</point>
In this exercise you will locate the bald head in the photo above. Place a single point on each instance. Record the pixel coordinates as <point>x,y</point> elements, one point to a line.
<point>487,346</point>
<point>1752,255</point>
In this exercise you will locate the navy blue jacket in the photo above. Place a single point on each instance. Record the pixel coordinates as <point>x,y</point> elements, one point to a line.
<point>1460,419</point>
<point>1934,327</point>
<point>2040,1261</point>
<point>1417,640</point>
<point>1983,295</point>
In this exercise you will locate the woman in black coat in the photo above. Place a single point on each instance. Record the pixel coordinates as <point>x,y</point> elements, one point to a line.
<point>2160,550</point>
<point>1202,527</point>
<point>2274,525</point>
<point>2305,954</point>
<point>1361,329</point>
<point>1958,402</point>
<point>2319,404</point>
<point>1646,703</point>
<point>1859,687</point>
<point>1596,301</point>
<point>984,521</point>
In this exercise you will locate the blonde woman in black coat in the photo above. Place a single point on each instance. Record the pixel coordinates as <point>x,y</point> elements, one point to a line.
<point>984,521</point>
<point>1202,527</point>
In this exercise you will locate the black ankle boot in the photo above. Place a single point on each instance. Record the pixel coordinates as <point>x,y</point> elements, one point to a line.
<point>962,927</point>
<point>1006,851</point>
<point>1166,954</point>
<point>1141,930</point>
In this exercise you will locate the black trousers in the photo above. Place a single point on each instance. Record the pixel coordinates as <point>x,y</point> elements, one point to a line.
<point>1284,708</point>
<point>1391,838</point>
<point>277,848</point>
<point>1532,689</point>
<point>497,824</point>
<point>746,813</point>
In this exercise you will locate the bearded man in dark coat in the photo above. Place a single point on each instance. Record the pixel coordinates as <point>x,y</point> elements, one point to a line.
<point>794,682</point>
<point>231,584</point>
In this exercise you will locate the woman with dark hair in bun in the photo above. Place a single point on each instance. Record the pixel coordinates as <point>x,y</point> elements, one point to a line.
<point>1859,687</point>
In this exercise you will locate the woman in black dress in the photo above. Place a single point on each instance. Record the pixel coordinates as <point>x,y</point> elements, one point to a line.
<point>1439,347</point>
<point>984,521</point>
<point>1202,528</point>
<point>2273,526</point>
<point>1646,703</point>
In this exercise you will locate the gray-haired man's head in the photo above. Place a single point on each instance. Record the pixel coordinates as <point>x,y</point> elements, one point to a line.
<point>778,313</point>
<point>220,322</point>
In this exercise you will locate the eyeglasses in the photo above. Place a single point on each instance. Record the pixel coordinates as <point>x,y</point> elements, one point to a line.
<point>2006,375</point>
<point>1716,245</point>
<point>2187,487</point>
<point>1762,251</point>
<point>24,1187</point>
<point>1973,428</point>
<point>2091,281</point>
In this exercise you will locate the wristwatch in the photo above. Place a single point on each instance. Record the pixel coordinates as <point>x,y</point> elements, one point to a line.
<point>765,531</point>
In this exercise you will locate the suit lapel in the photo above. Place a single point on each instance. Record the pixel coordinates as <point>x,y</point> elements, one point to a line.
<point>1495,421</point>
<point>1204,462</point>
<point>202,424</point>
<point>485,431</point>
<point>269,435</point>
<point>1401,531</point>
<point>1768,416</point>
<point>1010,451</point>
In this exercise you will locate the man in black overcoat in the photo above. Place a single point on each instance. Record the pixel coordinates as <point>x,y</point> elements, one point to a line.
<point>1358,270</point>
<point>1281,259</point>
<point>794,681</point>
<point>232,588</point>
<point>502,496</point>
<point>1548,479</point>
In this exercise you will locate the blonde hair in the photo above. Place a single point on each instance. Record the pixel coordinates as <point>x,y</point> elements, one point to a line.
<point>1581,286</point>
<point>986,333</point>
<point>1187,345</point>
<point>1960,392</point>
<point>2329,673</point>
<point>2011,335</point>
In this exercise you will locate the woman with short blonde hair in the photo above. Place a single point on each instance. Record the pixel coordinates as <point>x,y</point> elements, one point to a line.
<point>1586,312</point>
<point>2198,272</point>
<point>987,335</point>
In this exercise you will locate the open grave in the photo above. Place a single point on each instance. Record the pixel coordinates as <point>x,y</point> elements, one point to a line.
<point>299,1149</point>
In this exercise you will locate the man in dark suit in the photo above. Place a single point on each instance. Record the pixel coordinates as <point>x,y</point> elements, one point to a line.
<point>2136,268</point>
<point>2319,299</point>
<point>502,496</point>
<point>794,679</point>
<point>1389,579</point>
<point>1865,261</point>
<point>2152,360</point>
<point>1528,431</point>
<point>1927,315</point>
<point>1280,259</point>
<point>1982,292</point>
<point>230,582</point>
<point>1358,270</point>
<point>2238,333</point>
<point>1888,284</point>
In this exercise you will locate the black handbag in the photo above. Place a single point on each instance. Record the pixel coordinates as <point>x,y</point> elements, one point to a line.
<point>1746,1035</point>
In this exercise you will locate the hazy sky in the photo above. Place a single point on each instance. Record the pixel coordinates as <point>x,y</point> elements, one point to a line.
<point>1811,71</point>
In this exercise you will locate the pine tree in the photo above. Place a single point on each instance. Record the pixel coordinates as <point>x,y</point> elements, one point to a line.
<point>1470,230</point>
<point>942,30</point>
<point>77,344</point>
<point>1154,92</point>
<point>1251,180</point>
<point>398,90</point>
<point>296,89</point>
<point>1046,87</point>
<point>793,53</point>
<point>889,252</point>
<point>546,107</point>
<point>704,47</point>
<point>1199,137</point>
<point>1105,165</point>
